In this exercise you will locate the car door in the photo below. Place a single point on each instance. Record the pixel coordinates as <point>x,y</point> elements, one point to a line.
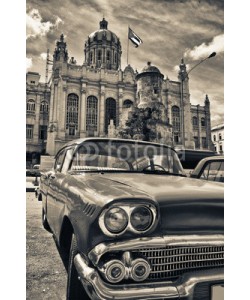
<point>60,184</point>
<point>53,188</point>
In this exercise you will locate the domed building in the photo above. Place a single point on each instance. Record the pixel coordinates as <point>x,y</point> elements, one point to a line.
<point>97,97</point>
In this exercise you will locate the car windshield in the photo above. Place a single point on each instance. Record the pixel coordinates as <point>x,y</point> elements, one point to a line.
<point>118,156</point>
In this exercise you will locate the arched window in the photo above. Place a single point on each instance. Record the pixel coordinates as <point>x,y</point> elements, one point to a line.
<point>203,122</point>
<point>127,103</point>
<point>44,107</point>
<point>91,57</point>
<point>108,56</point>
<point>195,121</point>
<point>176,119</point>
<point>31,106</point>
<point>220,136</point>
<point>214,138</point>
<point>92,113</point>
<point>72,113</point>
<point>110,112</point>
<point>99,55</point>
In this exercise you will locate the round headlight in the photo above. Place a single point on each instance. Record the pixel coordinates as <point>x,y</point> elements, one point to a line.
<point>141,218</point>
<point>140,269</point>
<point>116,219</point>
<point>115,271</point>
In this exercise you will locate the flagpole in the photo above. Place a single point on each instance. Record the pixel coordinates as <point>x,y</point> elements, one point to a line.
<point>128,46</point>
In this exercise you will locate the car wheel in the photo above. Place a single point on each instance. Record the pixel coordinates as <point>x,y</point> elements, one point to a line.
<point>45,222</point>
<point>75,290</point>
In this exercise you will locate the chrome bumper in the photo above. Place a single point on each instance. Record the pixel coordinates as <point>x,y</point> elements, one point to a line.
<point>181,289</point>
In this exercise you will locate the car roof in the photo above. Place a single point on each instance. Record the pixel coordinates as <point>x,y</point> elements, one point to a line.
<point>206,159</point>
<point>82,140</point>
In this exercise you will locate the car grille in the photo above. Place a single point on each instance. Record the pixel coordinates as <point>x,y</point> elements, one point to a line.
<point>170,262</point>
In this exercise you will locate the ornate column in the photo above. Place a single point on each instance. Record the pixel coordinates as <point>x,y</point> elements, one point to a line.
<point>101,108</point>
<point>120,104</point>
<point>62,112</point>
<point>82,121</point>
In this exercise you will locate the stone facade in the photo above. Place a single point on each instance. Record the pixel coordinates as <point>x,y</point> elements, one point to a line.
<point>37,108</point>
<point>217,136</point>
<point>97,97</point>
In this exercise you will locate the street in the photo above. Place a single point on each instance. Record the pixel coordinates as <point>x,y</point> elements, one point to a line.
<point>46,276</point>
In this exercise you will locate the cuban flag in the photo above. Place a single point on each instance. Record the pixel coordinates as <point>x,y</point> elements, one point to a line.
<point>134,38</point>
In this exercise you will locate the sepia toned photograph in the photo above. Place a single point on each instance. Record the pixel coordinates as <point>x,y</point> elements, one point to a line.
<point>125,150</point>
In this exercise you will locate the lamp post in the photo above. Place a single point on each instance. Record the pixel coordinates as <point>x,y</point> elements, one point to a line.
<point>183,77</point>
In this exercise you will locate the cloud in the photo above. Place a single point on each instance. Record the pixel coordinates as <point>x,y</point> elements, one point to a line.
<point>204,50</point>
<point>28,63</point>
<point>36,27</point>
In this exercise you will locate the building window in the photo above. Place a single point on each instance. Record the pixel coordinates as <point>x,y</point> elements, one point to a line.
<point>72,113</point>
<point>115,59</point>
<point>176,138</point>
<point>99,58</point>
<point>215,149</point>
<point>110,112</point>
<point>42,132</point>
<point>214,138</point>
<point>31,106</point>
<point>44,107</point>
<point>127,103</point>
<point>92,113</point>
<point>220,136</point>
<point>221,148</point>
<point>204,142</point>
<point>176,118</point>
<point>99,55</point>
<point>91,57</point>
<point>29,131</point>
<point>32,81</point>
<point>196,142</point>
<point>203,122</point>
<point>108,56</point>
<point>195,121</point>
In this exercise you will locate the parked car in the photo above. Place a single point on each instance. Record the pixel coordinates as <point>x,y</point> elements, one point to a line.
<point>33,172</point>
<point>131,224</point>
<point>210,168</point>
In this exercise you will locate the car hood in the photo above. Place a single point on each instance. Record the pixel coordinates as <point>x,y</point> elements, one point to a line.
<point>184,204</point>
<point>162,188</point>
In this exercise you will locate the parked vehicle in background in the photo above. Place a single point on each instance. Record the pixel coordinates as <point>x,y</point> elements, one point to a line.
<point>190,158</point>
<point>34,171</point>
<point>131,224</point>
<point>210,168</point>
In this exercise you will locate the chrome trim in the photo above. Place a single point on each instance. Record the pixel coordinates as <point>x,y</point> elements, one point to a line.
<point>183,288</point>
<point>144,242</point>
<point>128,208</point>
<point>135,263</point>
<point>106,270</point>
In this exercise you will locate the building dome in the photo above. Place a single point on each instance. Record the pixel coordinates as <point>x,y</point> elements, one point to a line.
<point>103,48</point>
<point>149,70</point>
<point>103,34</point>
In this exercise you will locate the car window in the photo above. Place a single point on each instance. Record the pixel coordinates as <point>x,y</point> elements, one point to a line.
<point>59,161</point>
<point>67,160</point>
<point>214,171</point>
<point>125,156</point>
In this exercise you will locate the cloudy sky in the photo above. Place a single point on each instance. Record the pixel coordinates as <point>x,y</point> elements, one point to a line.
<point>170,30</point>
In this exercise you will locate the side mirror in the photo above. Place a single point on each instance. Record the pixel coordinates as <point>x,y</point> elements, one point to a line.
<point>49,174</point>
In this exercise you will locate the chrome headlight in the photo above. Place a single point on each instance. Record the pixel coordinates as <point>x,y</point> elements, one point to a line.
<point>114,271</point>
<point>116,219</point>
<point>141,218</point>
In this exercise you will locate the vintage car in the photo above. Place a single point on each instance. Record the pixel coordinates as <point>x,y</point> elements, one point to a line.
<point>210,168</point>
<point>131,225</point>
